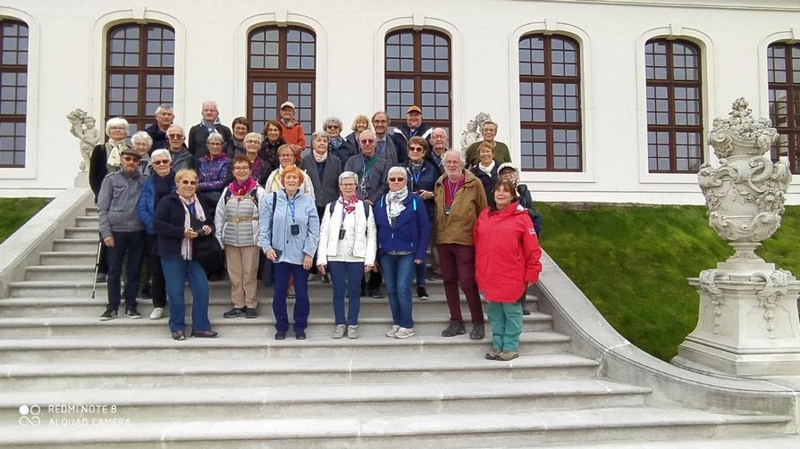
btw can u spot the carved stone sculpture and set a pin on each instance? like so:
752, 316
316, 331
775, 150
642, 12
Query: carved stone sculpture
82, 126
748, 323
472, 133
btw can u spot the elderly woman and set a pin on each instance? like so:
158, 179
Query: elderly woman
486, 169
346, 250
421, 178
142, 142
360, 123
507, 257
286, 156
289, 236
236, 224
323, 169
235, 145
252, 147
336, 143
269, 148
180, 219
106, 158
212, 171
160, 184
403, 235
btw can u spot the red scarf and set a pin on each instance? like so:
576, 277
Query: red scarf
240, 190
349, 206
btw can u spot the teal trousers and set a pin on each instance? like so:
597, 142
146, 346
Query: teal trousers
506, 321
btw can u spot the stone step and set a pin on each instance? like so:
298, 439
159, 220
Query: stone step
157, 349
330, 400
484, 428
91, 211
81, 233
85, 307
50, 258
87, 245
321, 322
89, 221
67, 272
781, 442
261, 372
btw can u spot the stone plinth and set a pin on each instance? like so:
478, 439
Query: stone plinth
748, 323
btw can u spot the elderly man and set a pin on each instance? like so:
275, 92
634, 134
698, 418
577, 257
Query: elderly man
438, 146
385, 144
488, 131
372, 185
181, 157
291, 129
209, 124
158, 130
412, 127
459, 198
122, 232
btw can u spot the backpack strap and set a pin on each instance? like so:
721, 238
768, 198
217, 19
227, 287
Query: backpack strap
272, 218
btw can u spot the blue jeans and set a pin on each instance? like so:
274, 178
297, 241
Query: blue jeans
131, 244
176, 271
346, 276
301, 304
398, 272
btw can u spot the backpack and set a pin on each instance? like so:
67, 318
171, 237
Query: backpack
526, 201
332, 205
253, 196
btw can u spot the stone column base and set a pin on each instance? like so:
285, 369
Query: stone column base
748, 323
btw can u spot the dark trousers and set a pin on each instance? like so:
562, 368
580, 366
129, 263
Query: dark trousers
457, 263
132, 245
157, 287
301, 304
345, 277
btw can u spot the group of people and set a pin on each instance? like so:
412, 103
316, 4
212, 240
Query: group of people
360, 211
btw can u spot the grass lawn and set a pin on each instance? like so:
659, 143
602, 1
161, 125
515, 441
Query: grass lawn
14, 212
632, 263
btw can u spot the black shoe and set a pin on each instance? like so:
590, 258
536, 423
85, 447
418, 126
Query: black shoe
234, 313
178, 336
300, 335
204, 334
133, 314
455, 328
251, 313
376, 293
146, 293
422, 293
477, 333
108, 315
525, 310
280, 335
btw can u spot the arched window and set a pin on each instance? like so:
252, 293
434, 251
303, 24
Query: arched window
783, 75
281, 67
13, 92
674, 106
550, 103
418, 69
140, 72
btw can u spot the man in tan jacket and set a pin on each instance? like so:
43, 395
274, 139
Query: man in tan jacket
459, 198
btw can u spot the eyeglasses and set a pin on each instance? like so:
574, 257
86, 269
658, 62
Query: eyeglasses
416, 149
348, 185
189, 183
397, 179
438, 137
252, 141
286, 155
242, 168
131, 159
214, 144
333, 126
118, 128
161, 162
176, 136
368, 142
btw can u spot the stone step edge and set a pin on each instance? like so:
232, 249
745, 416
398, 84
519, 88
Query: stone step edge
215, 300
406, 427
343, 365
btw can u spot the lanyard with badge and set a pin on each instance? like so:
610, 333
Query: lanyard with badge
452, 189
295, 228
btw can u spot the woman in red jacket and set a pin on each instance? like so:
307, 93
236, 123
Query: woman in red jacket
507, 257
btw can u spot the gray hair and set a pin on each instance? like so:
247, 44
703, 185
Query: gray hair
117, 121
366, 131
319, 135
348, 175
160, 152
176, 127
163, 108
215, 136
209, 103
440, 129
396, 169
142, 135
255, 134
335, 120
460, 156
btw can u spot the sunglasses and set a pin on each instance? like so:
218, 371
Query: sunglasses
131, 159
176, 136
333, 126
161, 162
189, 183
397, 179
416, 149
368, 142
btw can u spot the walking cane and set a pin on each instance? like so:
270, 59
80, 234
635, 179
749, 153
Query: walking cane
96, 266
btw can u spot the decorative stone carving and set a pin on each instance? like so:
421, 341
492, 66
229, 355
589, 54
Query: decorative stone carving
83, 127
748, 322
472, 133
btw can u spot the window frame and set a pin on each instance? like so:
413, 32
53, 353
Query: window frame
792, 88
18, 69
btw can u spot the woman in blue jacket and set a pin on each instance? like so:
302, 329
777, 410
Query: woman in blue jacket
403, 235
289, 234
422, 177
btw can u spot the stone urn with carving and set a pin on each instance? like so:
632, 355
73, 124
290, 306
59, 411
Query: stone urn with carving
748, 323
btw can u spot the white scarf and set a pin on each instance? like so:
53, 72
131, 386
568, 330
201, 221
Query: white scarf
320, 158
487, 170
115, 150
394, 202
186, 245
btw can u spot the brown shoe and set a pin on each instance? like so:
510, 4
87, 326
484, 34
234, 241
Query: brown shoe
507, 356
492, 355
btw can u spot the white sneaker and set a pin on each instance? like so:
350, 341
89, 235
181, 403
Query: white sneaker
339, 332
157, 313
404, 333
352, 332
393, 331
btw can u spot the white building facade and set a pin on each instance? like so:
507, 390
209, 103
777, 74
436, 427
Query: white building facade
599, 101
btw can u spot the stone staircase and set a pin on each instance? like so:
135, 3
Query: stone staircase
70, 380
